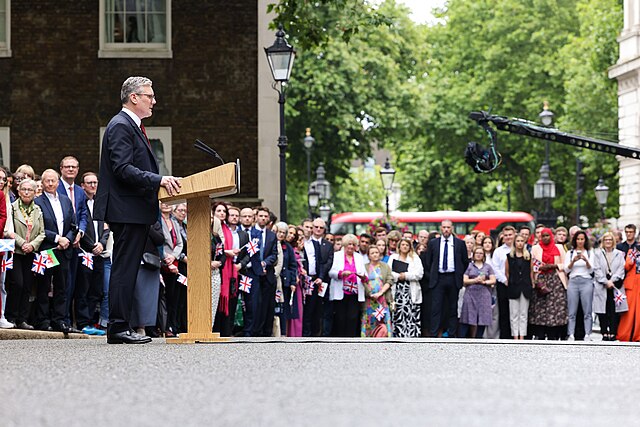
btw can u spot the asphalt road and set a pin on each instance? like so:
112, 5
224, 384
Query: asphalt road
332, 383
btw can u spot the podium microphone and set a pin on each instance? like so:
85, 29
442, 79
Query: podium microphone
210, 151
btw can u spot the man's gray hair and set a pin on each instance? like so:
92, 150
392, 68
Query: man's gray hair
133, 85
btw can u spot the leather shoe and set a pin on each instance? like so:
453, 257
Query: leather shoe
73, 330
24, 325
61, 327
127, 337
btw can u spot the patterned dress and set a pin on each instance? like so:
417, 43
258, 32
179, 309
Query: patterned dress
375, 309
551, 309
406, 317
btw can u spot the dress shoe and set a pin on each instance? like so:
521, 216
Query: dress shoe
73, 330
90, 330
44, 327
127, 337
24, 325
5, 324
60, 327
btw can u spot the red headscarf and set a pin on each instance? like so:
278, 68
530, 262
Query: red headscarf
550, 250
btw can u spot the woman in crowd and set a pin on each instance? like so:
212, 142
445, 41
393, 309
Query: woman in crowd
629, 328
5, 202
478, 280
407, 270
144, 311
608, 265
578, 264
376, 315
381, 244
171, 249
519, 288
293, 306
470, 243
288, 278
420, 248
479, 236
218, 258
346, 291
28, 224
548, 312
393, 238
488, 246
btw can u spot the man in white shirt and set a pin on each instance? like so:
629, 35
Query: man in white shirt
499, 260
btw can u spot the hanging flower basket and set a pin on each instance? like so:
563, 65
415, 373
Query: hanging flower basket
389, 223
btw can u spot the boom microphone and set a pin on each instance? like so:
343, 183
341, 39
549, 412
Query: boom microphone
210, 151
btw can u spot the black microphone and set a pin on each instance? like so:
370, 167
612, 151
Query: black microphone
210, 151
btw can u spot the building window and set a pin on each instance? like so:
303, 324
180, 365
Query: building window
135, 29
160, 139
5, 28
5, 145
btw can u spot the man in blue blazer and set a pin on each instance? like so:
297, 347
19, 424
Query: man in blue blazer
60, 233
69, 167
127, 199
260, 302
446, 262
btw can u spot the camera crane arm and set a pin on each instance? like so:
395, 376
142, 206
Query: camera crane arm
484, 163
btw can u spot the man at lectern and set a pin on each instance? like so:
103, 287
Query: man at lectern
127, 199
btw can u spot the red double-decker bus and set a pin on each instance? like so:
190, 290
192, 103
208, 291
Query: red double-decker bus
490, 222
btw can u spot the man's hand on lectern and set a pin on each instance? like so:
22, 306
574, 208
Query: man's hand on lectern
171, 184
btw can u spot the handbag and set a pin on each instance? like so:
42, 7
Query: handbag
380, 331
541, 288
150, 261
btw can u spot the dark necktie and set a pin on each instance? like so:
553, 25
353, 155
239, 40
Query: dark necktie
445, 256
144, 132
260, 233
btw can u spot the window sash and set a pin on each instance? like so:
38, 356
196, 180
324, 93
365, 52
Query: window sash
135, 23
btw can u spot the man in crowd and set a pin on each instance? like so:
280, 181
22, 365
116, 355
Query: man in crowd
499, 262
446, 262
630, 239
247, 218
364, 243
60, 233
423, 238
127, 199
525, 232
90, 278
324, 261
69, 168
260, 301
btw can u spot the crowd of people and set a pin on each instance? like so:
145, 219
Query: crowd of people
270, 278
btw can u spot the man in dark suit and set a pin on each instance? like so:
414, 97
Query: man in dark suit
89, 282
60, 232
69, 168
260, 302
630, 242
446, 262
127, 199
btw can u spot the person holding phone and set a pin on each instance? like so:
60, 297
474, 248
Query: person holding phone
579, 265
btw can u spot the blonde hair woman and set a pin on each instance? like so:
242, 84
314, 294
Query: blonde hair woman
608, 265
519, 289
407, 270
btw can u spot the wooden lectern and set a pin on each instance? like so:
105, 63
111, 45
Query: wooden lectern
197, 190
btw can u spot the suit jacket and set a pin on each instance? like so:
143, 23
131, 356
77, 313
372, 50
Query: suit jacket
432, 261
269, 256
69, 228
129, 179
20, 228
243, 257
324, 259
80, 201
90, 237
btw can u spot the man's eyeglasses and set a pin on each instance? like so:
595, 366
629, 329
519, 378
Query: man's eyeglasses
69, 167
148, 95
319, 226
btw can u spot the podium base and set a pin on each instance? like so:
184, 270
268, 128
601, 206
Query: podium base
196, 338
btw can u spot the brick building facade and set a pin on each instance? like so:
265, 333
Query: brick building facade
56, 92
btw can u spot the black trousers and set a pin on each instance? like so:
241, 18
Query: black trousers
444, 297
312, 313
88, 291
263, 321
19, 283
609, 321
503, 311
128, 245
172, 298
57, 313
346, 322
224, 324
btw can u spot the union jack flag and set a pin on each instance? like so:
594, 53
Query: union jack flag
7, 264
619, 298
219, 249
308, 285
39, 264
536, 265
379, 313
87, 259
350, 287
7, 245
245, 284
182, 279
279, 296
252, 247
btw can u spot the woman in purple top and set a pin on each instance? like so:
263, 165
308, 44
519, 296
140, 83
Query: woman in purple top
476, 304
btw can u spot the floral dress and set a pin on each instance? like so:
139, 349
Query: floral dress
375, 311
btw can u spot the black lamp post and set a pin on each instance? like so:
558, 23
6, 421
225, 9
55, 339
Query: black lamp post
387, 174
602, 193
280, 57
545, 188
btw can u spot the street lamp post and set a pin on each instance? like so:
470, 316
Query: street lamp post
308, 143
602, 193
280, 56
544, 187
387, 174
313, 198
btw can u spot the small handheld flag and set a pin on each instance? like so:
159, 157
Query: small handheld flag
7, 264
245, 284
39, 264
182, 279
